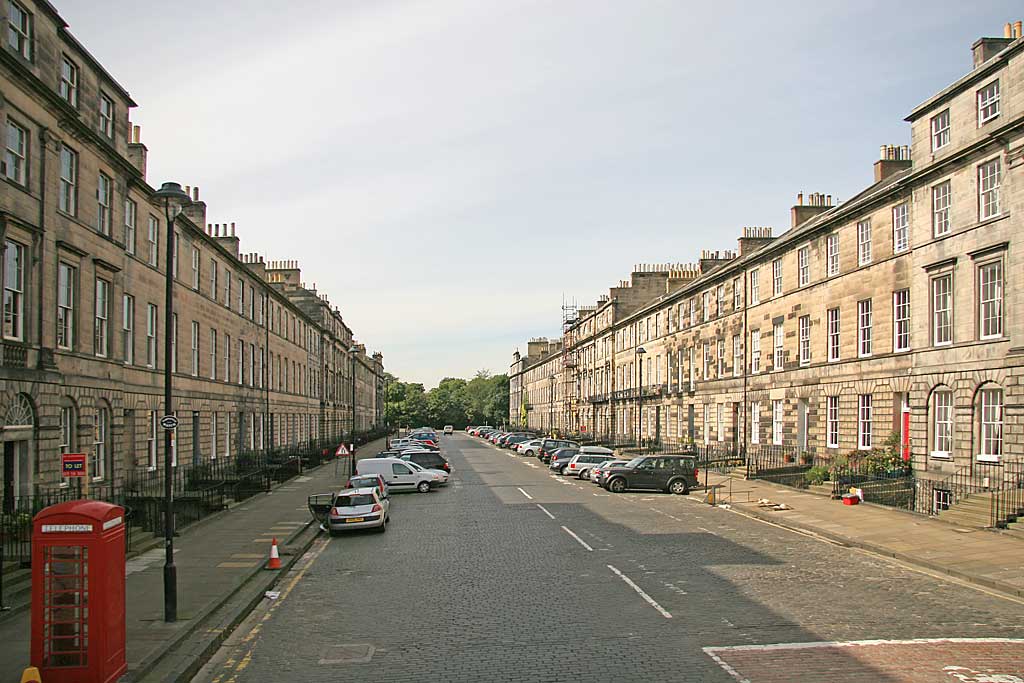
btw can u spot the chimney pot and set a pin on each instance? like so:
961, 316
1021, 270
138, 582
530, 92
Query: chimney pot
232, 229
1017, 27
195, 193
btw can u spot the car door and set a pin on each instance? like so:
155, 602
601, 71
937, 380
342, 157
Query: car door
403, 477
645, 474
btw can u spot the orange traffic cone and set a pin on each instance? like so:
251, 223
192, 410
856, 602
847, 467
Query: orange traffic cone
275, 558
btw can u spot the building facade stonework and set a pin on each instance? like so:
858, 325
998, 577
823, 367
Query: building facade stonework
259, 360
892, 314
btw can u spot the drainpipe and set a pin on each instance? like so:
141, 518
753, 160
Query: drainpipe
44, 139
746, 371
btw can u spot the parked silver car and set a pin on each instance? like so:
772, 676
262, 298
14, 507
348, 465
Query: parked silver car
440, 476
583, 461
358, 509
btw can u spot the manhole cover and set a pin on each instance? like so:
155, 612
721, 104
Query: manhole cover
357, 653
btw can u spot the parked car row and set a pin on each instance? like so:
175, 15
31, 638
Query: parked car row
675, 473
410, 464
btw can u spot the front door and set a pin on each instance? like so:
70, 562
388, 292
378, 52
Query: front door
801, 425
17, 474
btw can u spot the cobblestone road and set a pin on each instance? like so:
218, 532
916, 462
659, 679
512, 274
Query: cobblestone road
511, 574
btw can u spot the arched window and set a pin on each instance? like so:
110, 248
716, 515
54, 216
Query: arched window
990, 418
942, 423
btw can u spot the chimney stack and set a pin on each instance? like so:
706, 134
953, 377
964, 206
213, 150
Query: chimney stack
816, 203
985, 49
892, 159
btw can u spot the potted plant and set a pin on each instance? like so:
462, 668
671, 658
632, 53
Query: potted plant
788, 457
806, 458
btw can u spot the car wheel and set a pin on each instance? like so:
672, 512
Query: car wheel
383, 525
585, 475
529, 454
617, 485
423, 486
679, 487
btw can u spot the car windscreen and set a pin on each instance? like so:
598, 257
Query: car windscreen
353, 500
634, 462
361, 482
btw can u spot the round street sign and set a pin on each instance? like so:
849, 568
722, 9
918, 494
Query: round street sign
169, 422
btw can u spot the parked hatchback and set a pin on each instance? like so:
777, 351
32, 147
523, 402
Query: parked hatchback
597, 473
560, 459
582, 463
358, 509
672, 473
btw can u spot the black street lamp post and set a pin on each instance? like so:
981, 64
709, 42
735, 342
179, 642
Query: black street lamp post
640, 351
173, 198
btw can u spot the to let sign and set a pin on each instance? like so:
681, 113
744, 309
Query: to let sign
72, 464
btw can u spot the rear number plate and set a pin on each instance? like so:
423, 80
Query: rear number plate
353, 519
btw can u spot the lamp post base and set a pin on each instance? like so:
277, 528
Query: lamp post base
170, 593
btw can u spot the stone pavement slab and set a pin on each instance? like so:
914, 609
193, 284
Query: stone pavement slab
977, 556
214, 557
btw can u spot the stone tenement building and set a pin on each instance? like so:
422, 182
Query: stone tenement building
259, 360
888, 312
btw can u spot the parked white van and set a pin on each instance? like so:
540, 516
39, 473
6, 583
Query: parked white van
398, 475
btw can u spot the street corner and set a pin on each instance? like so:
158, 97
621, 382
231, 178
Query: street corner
963, 660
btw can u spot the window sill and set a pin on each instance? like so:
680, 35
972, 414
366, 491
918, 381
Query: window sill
939, 455
988, 458
151, 468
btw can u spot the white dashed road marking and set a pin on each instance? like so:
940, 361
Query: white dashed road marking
524, 493
578, 539
545, 511
640, 591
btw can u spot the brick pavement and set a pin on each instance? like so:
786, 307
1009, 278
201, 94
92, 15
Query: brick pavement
983, 557
215, 558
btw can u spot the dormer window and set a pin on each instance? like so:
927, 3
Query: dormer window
988, 103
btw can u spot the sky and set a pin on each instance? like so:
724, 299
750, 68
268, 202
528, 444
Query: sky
449, 172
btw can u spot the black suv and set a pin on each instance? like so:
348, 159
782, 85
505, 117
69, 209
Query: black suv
430, 461
550, 446
672, 473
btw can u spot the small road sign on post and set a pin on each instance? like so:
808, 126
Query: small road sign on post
342, 451
169, 422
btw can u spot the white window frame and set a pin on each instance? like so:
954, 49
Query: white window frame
755, 288
151, 440
755, 352
755, 422
151, 330
778, 347
940, 130
777, 277
16, 154
104, 203
832, 422
196, 264
67, 86
19, 33
864, 242
988, 97
106, 115
942, 424
991, 417
98, 457
737, 294
834, 323
778, 410
942, 202
720, 370
942, 309
213, 354
67, 200
832, 254
720, 425
128, 328
803, 265
65, 306
864, 328
901, 227
804, 331
101, 321
901, 320
737, 355
990, 300
153, 240
865, 407
195, 348
131, 215
227, 357
989, 182
241, 362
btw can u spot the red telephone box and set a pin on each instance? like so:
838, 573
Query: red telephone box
78, 613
